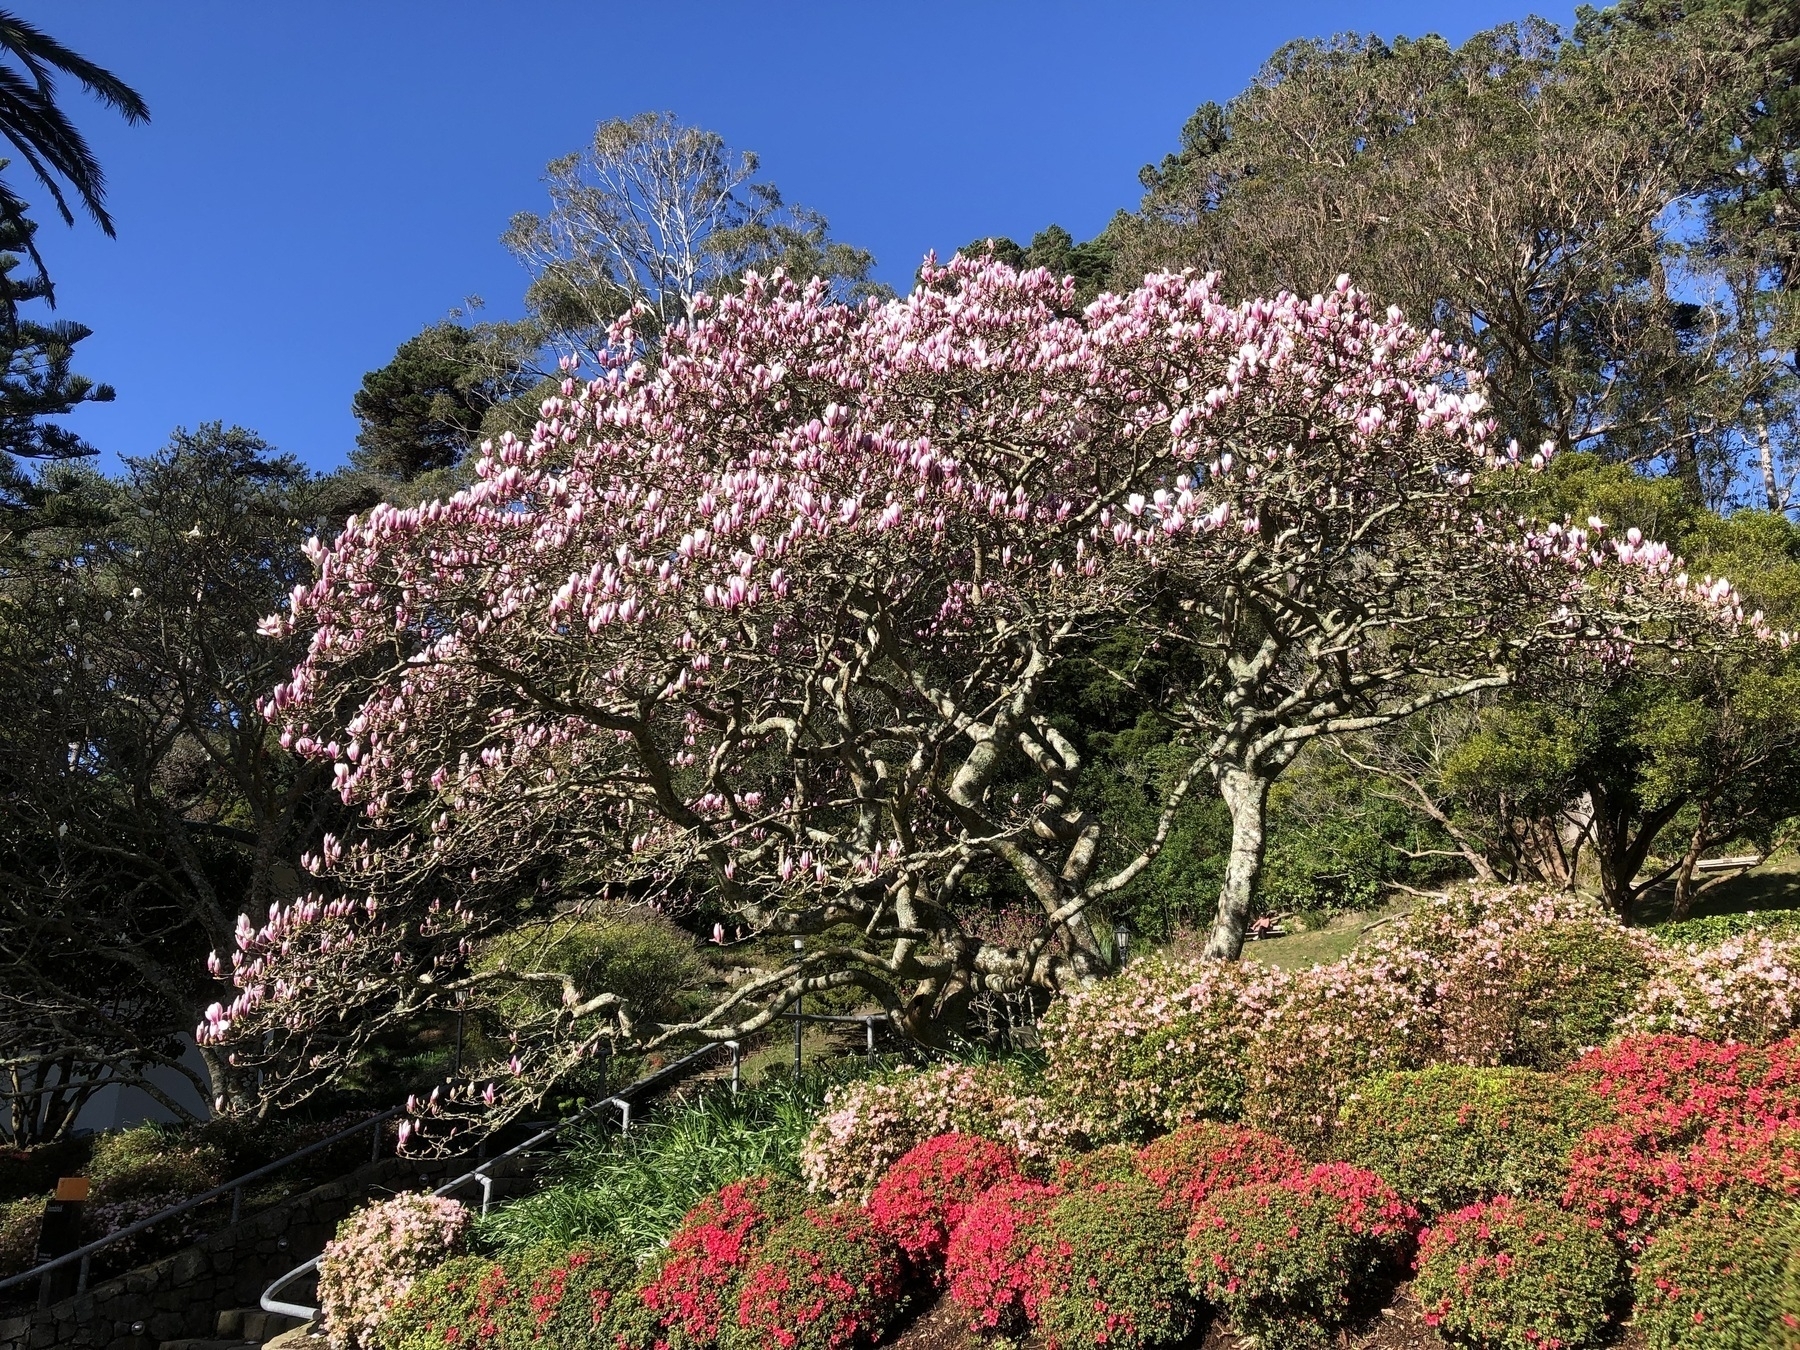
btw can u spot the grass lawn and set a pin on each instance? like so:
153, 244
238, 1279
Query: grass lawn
1320, 946
1775, 884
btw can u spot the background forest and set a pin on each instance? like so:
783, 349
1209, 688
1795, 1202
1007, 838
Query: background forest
1608, 218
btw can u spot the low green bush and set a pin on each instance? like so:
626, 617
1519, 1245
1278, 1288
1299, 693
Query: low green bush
1575, 979
152, 1160
828, 1279
1715, 928
1109, 1162
1713, 1280
1118, 1279
1289, 1263
1447, 1136
1518, 1275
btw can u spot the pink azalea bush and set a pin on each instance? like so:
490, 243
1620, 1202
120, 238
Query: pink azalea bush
924, 1195
828, 1279
866, 1126
997, 1266
1693, 1119
1510, 1274
1287, 1261
1160, 1044
1745, 988
1375, 1010
377, 1254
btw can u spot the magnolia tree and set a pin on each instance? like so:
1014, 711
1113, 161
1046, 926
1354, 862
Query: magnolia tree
766, 625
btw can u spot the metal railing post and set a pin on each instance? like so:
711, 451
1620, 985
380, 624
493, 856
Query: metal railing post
375, 1142
81, 1274
487, 1192
869, 1028
237, 1203
737, 1066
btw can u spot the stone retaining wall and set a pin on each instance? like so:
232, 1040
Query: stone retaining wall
181, 1295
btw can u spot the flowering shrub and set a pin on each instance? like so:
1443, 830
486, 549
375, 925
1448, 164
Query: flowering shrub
149, 1161
1198, 1160
1109, 1162
996, 1266
1157, 1045
1537, 984
20, 1221
1372, 1011
867, 1125
921, 1200
1114, 1272
687, 1298
106, 1217
1517, 1275
1712, 1280
828, 1279
1287, 1261
1448, 1136
1744, 989
377, 1254
449, 1306
570, 1299
1693, 1119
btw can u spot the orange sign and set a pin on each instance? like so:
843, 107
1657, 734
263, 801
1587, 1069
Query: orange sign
71, 1188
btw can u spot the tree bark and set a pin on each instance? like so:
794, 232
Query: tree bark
1684, 878
1766, 458
1247, 798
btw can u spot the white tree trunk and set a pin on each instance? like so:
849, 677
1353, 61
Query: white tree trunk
1247, 798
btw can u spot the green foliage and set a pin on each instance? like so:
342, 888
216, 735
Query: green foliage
1715, 1280
1119, 1274
423, 410
1715, 928
152, 1160
36, 380
1539, 995
1447, 1136
640, 956
631, 1192
1518, 1275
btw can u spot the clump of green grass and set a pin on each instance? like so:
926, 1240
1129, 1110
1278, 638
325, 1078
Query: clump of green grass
630, 1191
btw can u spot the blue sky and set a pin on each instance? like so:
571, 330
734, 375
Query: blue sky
321, 180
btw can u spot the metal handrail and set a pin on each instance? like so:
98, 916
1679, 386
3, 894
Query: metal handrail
480, 1173
235, 1187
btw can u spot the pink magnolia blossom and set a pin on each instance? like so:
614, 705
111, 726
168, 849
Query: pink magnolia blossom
756, 619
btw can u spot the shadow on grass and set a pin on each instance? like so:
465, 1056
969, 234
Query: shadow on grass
1774, 885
